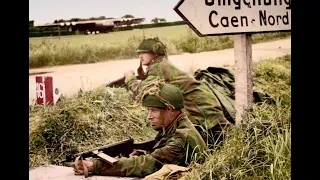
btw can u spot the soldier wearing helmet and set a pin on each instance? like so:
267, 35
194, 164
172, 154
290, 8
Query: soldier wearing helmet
202, 106
176, 143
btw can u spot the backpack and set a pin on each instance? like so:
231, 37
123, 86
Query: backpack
221, 82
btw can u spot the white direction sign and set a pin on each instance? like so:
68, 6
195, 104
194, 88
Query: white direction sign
217, 17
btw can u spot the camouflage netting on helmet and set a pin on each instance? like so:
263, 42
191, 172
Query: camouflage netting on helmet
160, 94
152, 45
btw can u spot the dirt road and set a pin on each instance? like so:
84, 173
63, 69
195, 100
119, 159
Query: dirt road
53, 172
69, 79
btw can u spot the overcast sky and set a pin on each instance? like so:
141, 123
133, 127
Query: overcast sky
46, 11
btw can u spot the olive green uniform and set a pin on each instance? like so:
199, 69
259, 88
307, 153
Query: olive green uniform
178, 145
201, 105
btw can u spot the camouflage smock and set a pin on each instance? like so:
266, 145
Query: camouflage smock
177, 145
201, 105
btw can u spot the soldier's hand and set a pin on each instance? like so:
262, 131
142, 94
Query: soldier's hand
133, 153
79, 169
129, 73
140, 72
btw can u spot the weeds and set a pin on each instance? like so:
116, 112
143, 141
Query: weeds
261, 147
82, 122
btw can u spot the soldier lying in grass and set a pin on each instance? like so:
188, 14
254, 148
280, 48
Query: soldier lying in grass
202, 106
177, 141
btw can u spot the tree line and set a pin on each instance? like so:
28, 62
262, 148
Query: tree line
154, 20
53, 31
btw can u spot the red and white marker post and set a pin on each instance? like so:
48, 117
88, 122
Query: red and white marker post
46, 92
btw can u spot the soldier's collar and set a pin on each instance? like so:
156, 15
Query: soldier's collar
172, 127
157, 59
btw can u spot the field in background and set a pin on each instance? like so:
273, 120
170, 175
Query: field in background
76, 49
121, 37
259, 150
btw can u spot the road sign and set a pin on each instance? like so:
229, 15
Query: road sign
218, 17
243, 17
46, 92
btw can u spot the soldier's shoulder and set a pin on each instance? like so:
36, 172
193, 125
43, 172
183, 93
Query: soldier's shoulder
185, 128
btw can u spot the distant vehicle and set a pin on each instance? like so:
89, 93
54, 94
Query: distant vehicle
95, 26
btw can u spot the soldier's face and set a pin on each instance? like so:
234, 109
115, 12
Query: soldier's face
156, 116
146, 58
159, 117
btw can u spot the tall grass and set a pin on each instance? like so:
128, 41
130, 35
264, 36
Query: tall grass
259, 149
122, 45
84, 121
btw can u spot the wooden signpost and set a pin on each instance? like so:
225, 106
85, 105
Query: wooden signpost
240, 18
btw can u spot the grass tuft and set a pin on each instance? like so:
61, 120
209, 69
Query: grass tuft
84, 121
260, 148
